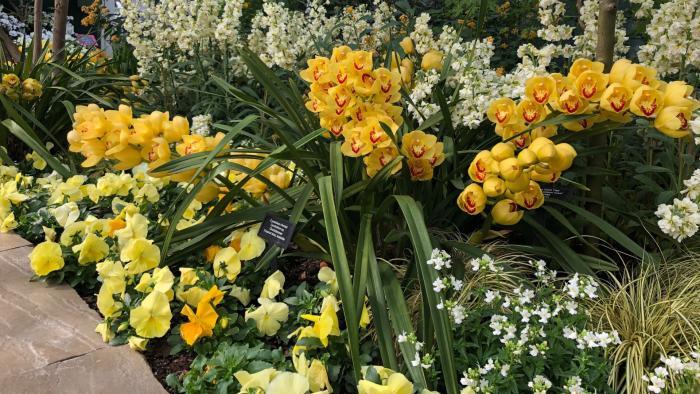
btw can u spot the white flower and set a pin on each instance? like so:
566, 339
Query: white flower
673, 363
402, 338
458, 314
679, 220
569, 333
438, 285
491, 295
539, 384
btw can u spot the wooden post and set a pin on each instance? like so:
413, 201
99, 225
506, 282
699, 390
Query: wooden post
38, 15
60, 19
9, 49
605, 48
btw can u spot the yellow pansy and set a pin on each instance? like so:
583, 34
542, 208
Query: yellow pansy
8, 223
472, 200
45, 258
506, 212
274, 284
106, 304
314, 371
91, 250
104, 331
151, 319
136, 227
227, 263
395, 384
269, 316
241, 294
673, 121
112, 275
200, 324
140, 255
186, 290
364, 317
137, 343
66, 214
325, 324
254, 382
289, 383
251, 245
161, 280
328, 276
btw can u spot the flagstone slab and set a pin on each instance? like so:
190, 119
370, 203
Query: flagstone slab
10, 241
48, 341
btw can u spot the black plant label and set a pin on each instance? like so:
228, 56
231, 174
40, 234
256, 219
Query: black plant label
276, 230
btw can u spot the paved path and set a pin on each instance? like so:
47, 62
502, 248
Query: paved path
47, 338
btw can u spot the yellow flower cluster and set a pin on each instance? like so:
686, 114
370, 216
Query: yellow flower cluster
512, 180
629, 89
116, 135
28, 90
356, 101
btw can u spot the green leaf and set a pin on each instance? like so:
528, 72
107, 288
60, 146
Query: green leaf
340, 263
400, 319
37, 146
606, 227
564, 255
422, 247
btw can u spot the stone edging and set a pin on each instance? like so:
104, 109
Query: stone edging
48, 341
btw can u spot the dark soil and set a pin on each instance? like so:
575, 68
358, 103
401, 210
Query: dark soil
163, 364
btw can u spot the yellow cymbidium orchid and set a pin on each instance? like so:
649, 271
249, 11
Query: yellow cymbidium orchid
616, 98
677, 93
590, 85
530, 198
673, 121
432, 60
529, 111
317, 67
502, 111
540, 89
647, 102
506, 212
482, 165
379, 158
582, 65
472, 200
